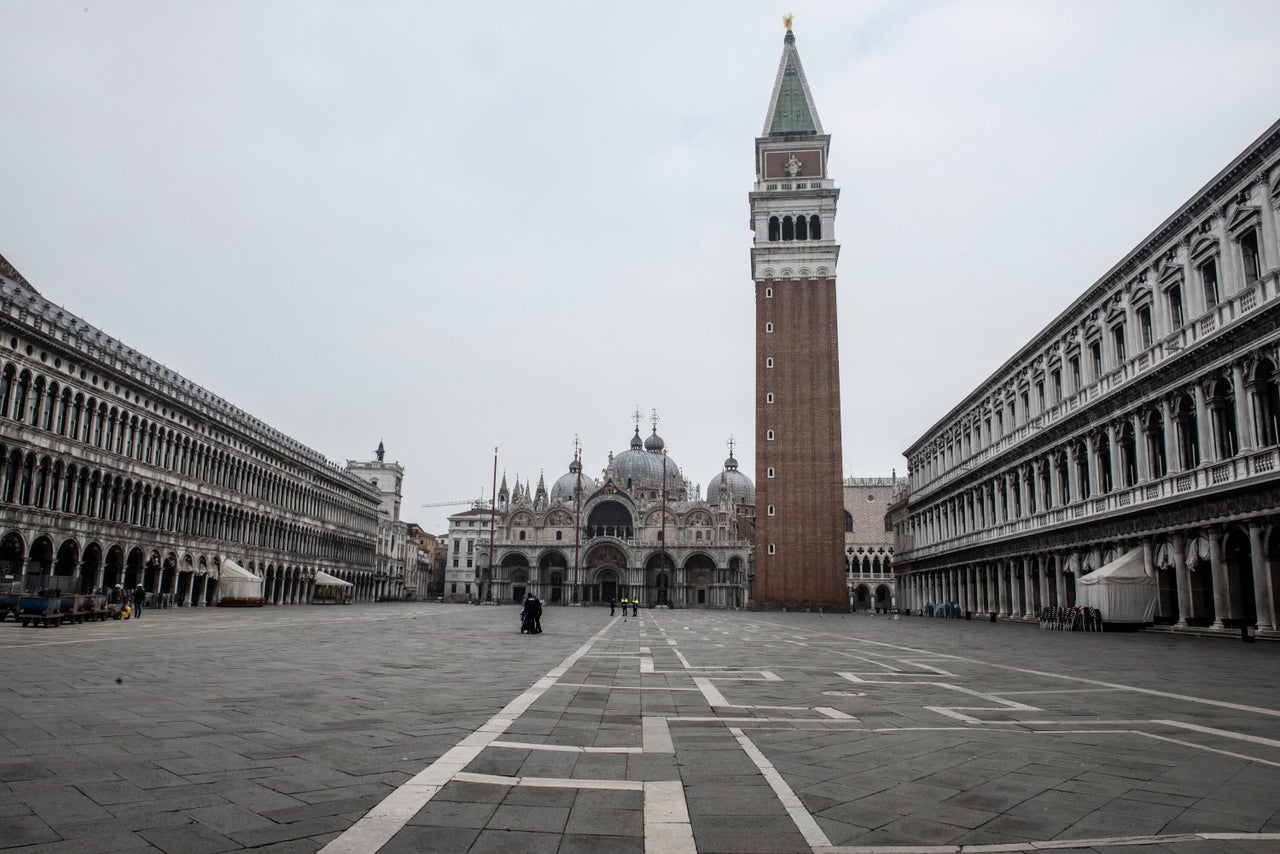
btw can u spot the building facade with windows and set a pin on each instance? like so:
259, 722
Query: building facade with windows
868, 541
1142, 419
117, 470
395, 568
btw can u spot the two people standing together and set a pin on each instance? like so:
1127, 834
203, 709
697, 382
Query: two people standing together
634, 603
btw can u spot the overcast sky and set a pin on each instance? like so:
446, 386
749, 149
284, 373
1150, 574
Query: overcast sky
458, 226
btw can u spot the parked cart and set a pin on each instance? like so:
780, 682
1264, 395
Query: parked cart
35, 610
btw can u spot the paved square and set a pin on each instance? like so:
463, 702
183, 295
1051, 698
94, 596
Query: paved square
420, 727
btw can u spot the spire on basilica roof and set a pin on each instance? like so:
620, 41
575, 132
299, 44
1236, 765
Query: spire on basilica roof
791, 108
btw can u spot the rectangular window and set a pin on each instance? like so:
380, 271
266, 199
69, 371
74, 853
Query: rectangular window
1074, 364
1056, 379
1026, 406
455, 563
1209, 279
1249, 255
468, 563
1174, 296
1117, 341
1040, 395
1095, 358
1144, 326
453, 588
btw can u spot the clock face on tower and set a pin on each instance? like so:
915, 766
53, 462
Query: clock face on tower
797, 163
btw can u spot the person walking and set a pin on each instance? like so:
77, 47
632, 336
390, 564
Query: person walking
139, 599
612, 605
635, 603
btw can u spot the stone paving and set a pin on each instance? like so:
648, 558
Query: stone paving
422, 727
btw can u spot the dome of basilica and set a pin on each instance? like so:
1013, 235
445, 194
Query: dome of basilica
740, 488
637, 469
565, 487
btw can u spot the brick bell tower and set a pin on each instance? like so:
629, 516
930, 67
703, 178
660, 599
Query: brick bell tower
799, 540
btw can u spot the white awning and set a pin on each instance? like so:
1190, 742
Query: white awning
324, 579
231, 569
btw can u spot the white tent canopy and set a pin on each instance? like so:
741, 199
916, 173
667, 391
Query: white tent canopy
1121, 590
324, 579
236, 582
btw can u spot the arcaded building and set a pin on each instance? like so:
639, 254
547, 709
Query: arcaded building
868, 541
117, 470
799, 537
1141, 421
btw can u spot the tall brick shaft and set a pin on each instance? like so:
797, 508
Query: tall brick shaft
799, 542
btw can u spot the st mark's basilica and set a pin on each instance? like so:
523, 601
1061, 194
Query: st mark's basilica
638, 531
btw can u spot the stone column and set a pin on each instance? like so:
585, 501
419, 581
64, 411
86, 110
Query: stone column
1140, 450
1221, 594
1113, 459
1073, 475
1270, 259
1171, 455
1001, 593
1204, 429
1244, 423
1043, 574
1182, 577
1028, 591
1060, 581
1261, 581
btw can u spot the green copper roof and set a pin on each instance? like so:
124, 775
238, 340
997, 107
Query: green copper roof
791, 115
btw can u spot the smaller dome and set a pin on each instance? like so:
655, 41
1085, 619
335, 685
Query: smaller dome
636, 443
737, 485
654, 443
566, 487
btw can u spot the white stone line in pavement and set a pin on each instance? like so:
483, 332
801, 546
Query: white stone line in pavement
834, 713
563, 748
1151, 692
1218, 750
1049, 845
805, 823
386, 819
549, 782
593, 687
656, 735
716, 699
1225, 733
646, 664
666, 819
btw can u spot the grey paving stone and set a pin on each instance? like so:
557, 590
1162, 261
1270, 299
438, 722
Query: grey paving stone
507, 841
540, 818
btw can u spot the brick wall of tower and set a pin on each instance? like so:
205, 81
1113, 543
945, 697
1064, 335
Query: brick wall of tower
807, 528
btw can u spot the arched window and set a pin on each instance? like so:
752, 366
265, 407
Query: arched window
774, 231
1266, 403
769, 472
768, 362
1184, 420
1222, 412
848, 522
815, 228
768, 293
772, 510
772, 549
768, 327
802, 228
788, 229
768, 398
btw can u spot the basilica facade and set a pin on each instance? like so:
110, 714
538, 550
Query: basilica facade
1140, 425
638, 531
118, 470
